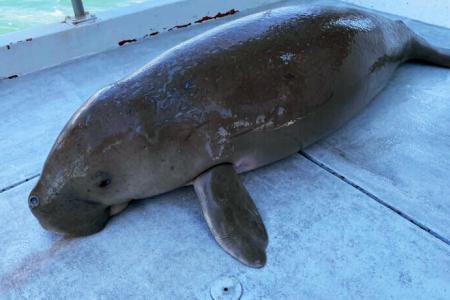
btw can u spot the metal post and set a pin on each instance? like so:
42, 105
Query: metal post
78, 9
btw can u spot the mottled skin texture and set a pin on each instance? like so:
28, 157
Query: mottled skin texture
247, 93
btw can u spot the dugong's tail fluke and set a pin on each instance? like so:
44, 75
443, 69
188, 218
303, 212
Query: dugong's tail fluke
424, 51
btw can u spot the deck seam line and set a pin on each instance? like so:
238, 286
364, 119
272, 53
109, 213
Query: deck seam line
377, 199
332, 172
18, 183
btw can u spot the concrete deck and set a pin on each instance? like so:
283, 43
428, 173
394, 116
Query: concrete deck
365, 213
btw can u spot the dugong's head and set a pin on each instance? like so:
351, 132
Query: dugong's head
96, 162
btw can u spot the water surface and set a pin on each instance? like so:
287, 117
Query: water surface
20, 14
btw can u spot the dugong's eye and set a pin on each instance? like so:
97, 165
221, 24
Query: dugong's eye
104, 183
102, 179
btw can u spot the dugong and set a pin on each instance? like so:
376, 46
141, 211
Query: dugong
235, 98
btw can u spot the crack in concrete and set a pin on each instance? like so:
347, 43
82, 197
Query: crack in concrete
373, 197
18, 183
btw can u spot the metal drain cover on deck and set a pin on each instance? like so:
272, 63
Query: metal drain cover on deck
226, 288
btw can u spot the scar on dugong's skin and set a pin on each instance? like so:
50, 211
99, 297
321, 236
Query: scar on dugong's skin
233, 99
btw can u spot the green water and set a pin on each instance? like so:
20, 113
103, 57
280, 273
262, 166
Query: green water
20, 14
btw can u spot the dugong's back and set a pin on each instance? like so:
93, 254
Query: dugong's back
277, 72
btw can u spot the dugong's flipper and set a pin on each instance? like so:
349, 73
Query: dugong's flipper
231, 215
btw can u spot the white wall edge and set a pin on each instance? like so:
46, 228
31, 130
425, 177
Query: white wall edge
45, 46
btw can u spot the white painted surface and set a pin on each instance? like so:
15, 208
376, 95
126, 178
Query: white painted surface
327, 240
435, 12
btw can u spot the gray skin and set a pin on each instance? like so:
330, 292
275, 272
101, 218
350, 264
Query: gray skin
231, 100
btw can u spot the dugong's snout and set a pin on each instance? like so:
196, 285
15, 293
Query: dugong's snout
68, 216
